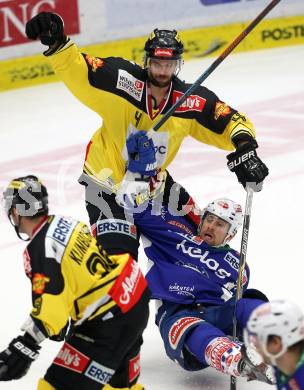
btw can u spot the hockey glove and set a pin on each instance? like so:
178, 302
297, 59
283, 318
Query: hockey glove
248, 167
133, 191
48, 27
16, 359
141, 154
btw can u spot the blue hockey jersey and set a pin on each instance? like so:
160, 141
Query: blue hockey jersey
182, 267
293, 382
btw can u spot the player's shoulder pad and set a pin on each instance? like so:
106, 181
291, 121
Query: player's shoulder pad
131, 67
96, 64
58, 236
200, 90
227, 248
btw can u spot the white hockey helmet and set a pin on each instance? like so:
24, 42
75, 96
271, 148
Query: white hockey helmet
227, 210
277, 318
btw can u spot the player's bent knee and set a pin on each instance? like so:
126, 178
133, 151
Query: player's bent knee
44, 385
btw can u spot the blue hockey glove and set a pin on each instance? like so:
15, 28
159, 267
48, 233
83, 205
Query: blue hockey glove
16, 359
141, 154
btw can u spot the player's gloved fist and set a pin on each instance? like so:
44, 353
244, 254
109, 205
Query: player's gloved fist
248, 167
16, 359
48, 27
141, 152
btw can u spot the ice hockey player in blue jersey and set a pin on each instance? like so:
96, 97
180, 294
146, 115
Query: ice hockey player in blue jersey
276, 329
193, 274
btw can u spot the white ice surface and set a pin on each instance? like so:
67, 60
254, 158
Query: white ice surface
44, 130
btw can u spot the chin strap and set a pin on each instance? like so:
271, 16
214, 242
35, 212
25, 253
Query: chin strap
16, 227
18, 234
273, 356
227, 239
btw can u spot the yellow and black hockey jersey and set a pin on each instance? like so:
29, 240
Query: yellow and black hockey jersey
117, 90
73, 278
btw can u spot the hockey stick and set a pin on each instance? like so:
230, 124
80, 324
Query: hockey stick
216, 63
242, 264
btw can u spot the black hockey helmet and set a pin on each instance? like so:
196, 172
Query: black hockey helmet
164, 44
28, 195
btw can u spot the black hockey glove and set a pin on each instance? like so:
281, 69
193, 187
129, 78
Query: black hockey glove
49, 28
16, 359
248, 167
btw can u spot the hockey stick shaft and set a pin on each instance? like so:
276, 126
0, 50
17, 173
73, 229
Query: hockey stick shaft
242, 264
244, 241
216, 63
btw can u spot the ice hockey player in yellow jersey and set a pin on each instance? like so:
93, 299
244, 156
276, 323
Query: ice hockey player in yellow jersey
101, 299
131, 99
